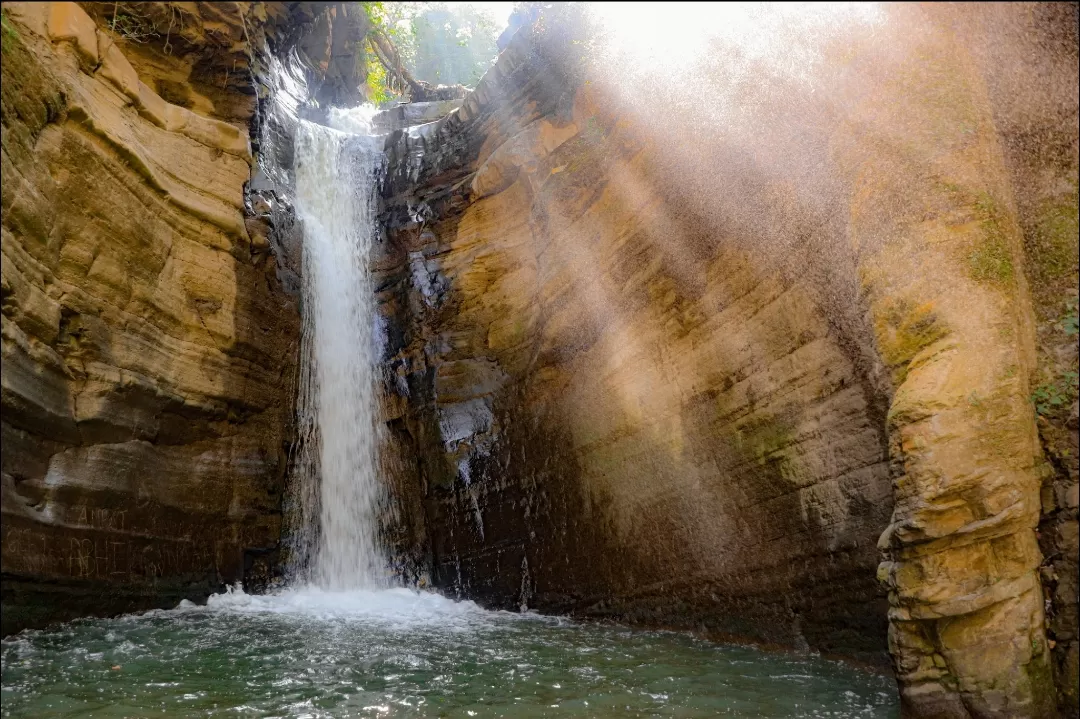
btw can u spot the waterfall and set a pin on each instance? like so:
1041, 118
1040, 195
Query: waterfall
338, 494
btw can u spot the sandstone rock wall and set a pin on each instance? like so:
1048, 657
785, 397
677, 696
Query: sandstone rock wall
151, 273
744, 358
623, 406
1028, 55
710, 374
148, 351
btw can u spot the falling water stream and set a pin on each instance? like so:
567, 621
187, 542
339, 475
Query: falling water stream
341, 641
338, 492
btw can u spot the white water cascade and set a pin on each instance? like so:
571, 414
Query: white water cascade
338, 494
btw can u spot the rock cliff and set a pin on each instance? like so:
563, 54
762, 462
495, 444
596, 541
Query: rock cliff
1029, 59
729, 369
755, 357
149, 348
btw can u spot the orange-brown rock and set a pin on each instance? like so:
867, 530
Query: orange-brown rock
150, 271
726, 367
1028, 54
147, 348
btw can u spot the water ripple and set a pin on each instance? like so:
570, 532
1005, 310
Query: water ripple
401, 653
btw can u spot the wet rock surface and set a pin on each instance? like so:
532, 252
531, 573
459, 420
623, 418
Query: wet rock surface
606, 427
1034, 100
412, 113
771, 381
792, 407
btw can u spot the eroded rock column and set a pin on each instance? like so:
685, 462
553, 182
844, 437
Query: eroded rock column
939, 250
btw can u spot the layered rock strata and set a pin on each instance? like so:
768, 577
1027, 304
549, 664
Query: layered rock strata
750, 358
148, 350
713, 378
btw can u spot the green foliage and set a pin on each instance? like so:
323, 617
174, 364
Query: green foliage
395, 19
374, 12
377, 82
1051, 398
384, 17
1070, 323
1057, 395
576, 30
444, 45
435, 43
452, 45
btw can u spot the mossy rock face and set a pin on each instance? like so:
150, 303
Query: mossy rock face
8, 33
991, 261
904, 330
764, 438
1053, 248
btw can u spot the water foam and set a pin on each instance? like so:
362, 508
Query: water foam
398, 606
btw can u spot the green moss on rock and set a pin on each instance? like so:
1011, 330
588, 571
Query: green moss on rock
991, 261
1053, 248
903, 331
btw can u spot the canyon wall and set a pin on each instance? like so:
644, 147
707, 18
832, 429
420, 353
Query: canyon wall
760, 368
738, 350
149, 347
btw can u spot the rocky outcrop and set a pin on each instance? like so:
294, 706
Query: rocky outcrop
412, 114
148, 350
608, 426
210, 57
1028, 55
726, 367
755, 358
151, 264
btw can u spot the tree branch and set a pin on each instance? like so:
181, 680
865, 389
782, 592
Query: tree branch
395, 69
